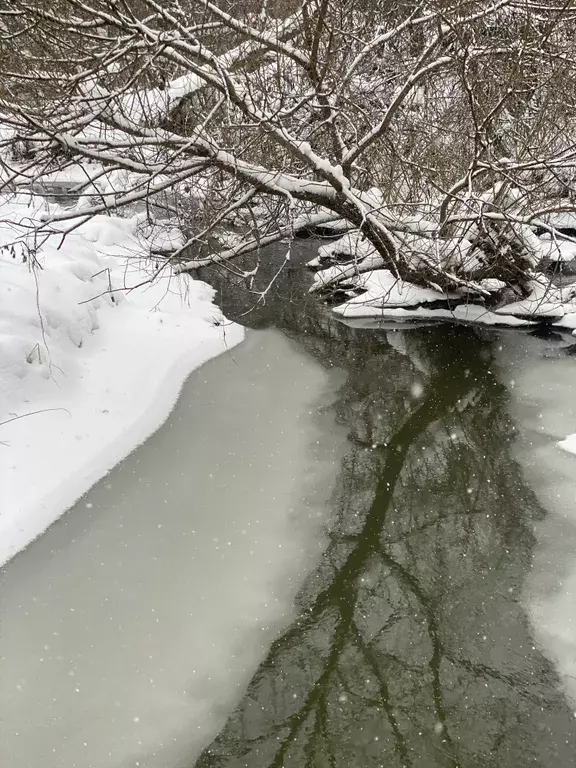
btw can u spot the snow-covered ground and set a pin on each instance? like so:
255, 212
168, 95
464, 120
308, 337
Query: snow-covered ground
555, 249
92, 355
569, 443
353, 265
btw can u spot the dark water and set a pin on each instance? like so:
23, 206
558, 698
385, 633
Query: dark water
412, 648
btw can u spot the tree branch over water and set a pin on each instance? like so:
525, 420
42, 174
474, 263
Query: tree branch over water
451, 122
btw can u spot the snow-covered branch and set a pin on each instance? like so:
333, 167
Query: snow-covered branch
447, 121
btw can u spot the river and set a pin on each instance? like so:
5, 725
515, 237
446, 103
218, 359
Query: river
337, 526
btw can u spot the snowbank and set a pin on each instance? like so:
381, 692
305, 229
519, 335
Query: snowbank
352, 266
556, 249
353, 248
382, 289
465, 313
568, 321
385, 296
545, 300
92, 356
378, 293
569, 443
351, 245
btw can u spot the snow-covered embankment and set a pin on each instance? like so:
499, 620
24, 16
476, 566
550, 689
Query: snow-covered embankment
92, 356
369, 291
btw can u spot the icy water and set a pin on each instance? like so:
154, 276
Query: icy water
425, 637
403, 518
131, 628
543, 400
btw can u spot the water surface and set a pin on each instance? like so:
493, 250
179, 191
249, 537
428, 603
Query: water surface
415, 645
132, 626
156, 622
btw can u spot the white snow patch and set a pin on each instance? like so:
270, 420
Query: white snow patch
544, 300
343, 271
386, 296
543, 406
467, 313
389, 297
420, 225
99, 369
383, 289
569, 443
560, 219
556, 249
350, 245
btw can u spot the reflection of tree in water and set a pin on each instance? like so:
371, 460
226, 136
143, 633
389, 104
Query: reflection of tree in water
411, 648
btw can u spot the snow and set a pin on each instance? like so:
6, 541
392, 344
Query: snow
351, 244
376, 292
98, 370
131, 629
340, 272
544, 300
74, 174
557, 249
543, 407
353, 249
560, 219
338, 226
420, 225
383, 289
386, 296
350, 247
417, 250
466, 313
569, 443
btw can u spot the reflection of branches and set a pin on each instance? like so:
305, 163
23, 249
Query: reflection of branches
342, 590
385, 702
516, 680
316, 693
413, 586
376, 630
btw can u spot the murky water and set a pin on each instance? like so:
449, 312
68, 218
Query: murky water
415, 641
131, 628
415, 645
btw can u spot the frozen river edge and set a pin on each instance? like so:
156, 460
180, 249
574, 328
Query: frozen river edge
133, 624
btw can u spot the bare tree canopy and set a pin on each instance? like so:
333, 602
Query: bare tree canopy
442, 131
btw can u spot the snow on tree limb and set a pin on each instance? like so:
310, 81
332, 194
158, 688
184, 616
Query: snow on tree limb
454, 113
